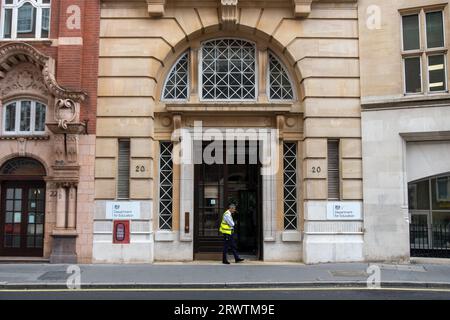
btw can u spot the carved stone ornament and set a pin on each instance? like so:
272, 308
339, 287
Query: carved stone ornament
229, 13
14, 54
23, 79
65, 112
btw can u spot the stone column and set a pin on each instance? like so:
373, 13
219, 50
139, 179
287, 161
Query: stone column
72, 214
61, 207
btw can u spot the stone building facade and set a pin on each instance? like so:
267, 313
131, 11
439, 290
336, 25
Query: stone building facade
405, 127
48, 98
127, 127
162, 66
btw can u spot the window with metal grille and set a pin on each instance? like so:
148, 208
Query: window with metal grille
228, 70
333, 170
290, 185
280, 86
176, 86
123, 175
165, 185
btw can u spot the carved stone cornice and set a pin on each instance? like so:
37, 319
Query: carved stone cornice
14, 53
156, 8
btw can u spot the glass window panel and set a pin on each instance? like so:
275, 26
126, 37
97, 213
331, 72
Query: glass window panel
16, 228
40, 206
39, 123
280, 86
435, 30
9, 1
25, 19
9, 205
7, 27
31, 218
31, 229
18, 205
419, 195
39, 242
39, 229
228, 70
17, 217
436, 69
30, 242
8, 241
25, 116
440, 193
45, 22
177, 83
9, 228
413, 79
16, 242
39, 218
10, 117
441, 219
18, 193
9, 217
411, 32
9, 193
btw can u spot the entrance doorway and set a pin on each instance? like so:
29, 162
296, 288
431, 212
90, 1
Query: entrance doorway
216, 186
22, 208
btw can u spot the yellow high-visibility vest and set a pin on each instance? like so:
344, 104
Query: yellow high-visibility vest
224, 227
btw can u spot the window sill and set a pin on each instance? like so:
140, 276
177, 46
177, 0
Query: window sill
406, 101
46, 42
25, 137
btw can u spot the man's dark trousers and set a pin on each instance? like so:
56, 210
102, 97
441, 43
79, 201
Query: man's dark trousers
229, 243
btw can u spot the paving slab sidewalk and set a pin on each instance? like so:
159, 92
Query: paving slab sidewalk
213, 274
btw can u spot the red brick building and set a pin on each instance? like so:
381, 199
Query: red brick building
48, 94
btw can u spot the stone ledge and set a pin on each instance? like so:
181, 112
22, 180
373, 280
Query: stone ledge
291, 236
164, 236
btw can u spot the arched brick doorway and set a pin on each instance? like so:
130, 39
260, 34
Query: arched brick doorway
22, 208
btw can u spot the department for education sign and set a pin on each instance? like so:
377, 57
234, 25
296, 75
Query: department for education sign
339, 210
123, 210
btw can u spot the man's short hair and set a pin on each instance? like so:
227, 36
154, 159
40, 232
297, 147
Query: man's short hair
231, 206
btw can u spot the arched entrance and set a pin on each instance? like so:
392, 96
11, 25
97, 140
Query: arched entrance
22, 208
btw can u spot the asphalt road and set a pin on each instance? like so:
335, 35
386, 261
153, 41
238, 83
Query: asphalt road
231, 294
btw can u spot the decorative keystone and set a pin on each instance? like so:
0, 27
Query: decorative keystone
229, 13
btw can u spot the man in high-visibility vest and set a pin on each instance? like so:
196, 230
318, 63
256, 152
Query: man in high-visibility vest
227, 229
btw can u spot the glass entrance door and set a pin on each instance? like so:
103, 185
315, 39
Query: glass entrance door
218, 185
22, 219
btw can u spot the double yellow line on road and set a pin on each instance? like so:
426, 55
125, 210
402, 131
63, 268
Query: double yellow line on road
224, 289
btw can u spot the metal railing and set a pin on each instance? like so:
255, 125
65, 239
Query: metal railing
433, 241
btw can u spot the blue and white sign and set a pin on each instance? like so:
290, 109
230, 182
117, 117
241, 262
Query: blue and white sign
123, 210
343, 210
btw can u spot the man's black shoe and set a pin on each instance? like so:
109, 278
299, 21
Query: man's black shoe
239, 260
225, 262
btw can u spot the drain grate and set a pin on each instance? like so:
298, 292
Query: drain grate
54, 275
348, 273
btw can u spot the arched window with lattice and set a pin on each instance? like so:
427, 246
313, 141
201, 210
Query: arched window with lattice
279, 84
176, 86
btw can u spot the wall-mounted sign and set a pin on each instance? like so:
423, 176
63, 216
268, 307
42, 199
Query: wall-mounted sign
121, 232
123, 210
343, 210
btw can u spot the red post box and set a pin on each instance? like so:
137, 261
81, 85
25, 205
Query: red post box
121, 232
